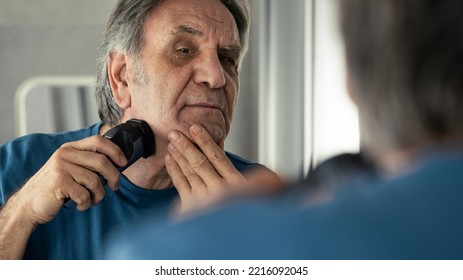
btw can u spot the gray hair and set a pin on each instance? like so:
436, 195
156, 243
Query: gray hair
405, 61
124, 33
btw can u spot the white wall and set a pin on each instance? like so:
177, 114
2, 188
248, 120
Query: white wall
336, 127
46, 37
305, 115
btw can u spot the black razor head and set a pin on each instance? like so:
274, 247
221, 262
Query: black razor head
135, 138
147, 136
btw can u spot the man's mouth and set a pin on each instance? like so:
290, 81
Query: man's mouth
205, 105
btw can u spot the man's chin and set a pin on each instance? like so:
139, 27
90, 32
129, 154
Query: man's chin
216, 132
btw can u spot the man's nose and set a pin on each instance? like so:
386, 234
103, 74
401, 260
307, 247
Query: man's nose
210, 71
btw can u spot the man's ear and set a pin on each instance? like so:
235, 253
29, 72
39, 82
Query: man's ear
117, 74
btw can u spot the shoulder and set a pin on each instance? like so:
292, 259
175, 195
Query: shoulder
20, 158
38, 144
240, 163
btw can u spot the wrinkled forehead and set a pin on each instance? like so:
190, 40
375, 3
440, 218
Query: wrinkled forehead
198, 17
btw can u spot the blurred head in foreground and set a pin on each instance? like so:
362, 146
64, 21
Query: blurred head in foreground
405, 67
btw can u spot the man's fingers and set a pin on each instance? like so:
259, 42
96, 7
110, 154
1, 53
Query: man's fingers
90, 181
81, 185
81, 196
193, 163
195, 180
176, 175
100, 145
73, 190
215, 155
96, 162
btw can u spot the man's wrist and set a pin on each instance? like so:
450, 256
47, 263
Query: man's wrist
15, 230
14, 218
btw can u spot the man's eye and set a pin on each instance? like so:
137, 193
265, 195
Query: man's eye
227, 59
185, 50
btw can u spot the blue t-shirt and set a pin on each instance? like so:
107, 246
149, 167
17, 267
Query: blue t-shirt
73, 234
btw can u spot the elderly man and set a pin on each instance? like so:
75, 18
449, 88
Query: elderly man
174, 64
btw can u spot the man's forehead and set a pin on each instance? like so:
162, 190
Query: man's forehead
233, 45
181, 17
183, 28
182, 13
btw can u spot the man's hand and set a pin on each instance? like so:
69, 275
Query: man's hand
71, 172
204, 176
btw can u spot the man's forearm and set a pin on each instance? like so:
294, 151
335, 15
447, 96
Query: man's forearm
15, 230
